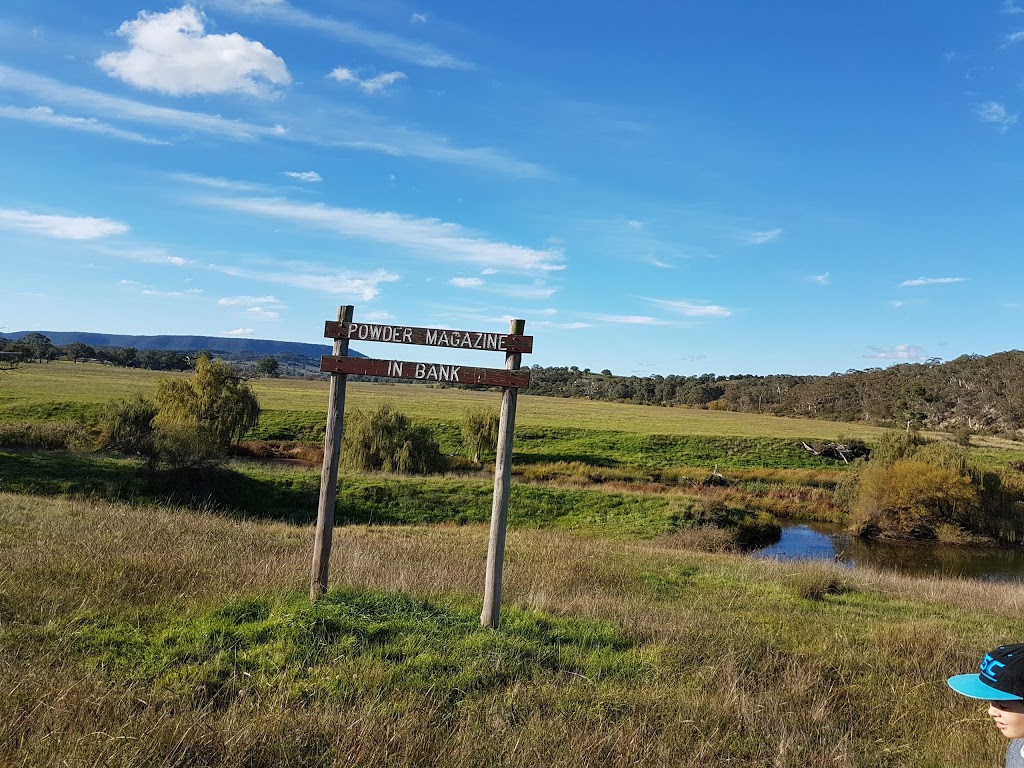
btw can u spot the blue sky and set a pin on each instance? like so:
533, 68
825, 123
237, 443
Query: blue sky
688, 187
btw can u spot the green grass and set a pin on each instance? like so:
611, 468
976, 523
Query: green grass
162, 637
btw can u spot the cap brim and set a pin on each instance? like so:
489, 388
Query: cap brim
972, 687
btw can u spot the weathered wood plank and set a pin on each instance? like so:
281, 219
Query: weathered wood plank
433, 372
430, 337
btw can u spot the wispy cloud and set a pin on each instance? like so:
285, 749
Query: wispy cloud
899, 352
931, 281
466, 282
418, 18
250, 301
172, 294
424, 54
149, 255
896, 303
12, 79
996, 114
47, 116
438, 239
363, 286
691, 308
60, 227
349, 128
629, 319
759, 238
1011, 7
308, 176
172, 53
239, 332
822, 279
229, 185
373, 84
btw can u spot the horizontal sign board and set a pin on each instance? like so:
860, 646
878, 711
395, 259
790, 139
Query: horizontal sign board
429, 337
449, 374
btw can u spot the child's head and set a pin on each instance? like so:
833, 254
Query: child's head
1001, 683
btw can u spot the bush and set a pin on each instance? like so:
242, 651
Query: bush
896, 445
126, 426
186, 445
214, 401
385, 440
46, 437
911, 498
480, 432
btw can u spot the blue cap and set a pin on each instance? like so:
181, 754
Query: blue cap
1001, 677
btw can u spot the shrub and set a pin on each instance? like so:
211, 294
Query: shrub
126, 426
385, 440
186, 445
911, 498
896, 445
46, 437
214, 401
480, 432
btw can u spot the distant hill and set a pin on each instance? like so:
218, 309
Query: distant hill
219, 344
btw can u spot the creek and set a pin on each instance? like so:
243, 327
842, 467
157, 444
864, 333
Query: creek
818, 541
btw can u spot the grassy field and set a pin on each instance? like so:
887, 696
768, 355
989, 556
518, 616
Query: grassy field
82, 388
159, 636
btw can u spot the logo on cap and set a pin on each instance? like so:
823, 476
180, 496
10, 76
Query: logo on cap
989, 666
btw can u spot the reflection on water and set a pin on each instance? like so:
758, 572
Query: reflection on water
823, 542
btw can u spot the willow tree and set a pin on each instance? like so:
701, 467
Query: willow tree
215, 402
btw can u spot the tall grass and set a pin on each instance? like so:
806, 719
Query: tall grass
163, 637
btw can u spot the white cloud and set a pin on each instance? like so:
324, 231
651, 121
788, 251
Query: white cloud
369, 85
172, 294
423, 54
634, 224
153, 255
351, 285
250, 301
561, 326
310, 176
1015, 37
899, 352
823, 279
1010, 7
418, 18
377, 317
126, 109
171, 53
896, 304
60, 227
931, 281
131, 283
438, 239
466, 282
693, 309
239, 332
349, 128
995, 113
266, 314
759, 238
46, 116
630, 319
218, 183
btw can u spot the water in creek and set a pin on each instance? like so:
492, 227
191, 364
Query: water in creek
823, 542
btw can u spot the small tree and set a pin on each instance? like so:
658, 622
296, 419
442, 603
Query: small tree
268, 366
126, 426
480, 432
215, 400
385, 440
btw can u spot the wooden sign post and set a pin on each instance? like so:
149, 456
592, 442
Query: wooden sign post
510, 378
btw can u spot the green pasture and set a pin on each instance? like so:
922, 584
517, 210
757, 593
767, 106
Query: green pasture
72, 391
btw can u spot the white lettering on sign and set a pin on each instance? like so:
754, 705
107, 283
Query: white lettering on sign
466, 339
394, 368
436, 372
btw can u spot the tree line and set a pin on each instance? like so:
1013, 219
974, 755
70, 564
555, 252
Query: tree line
973, 392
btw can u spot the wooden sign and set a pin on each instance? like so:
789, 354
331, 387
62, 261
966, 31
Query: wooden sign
401, 369
429, 337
